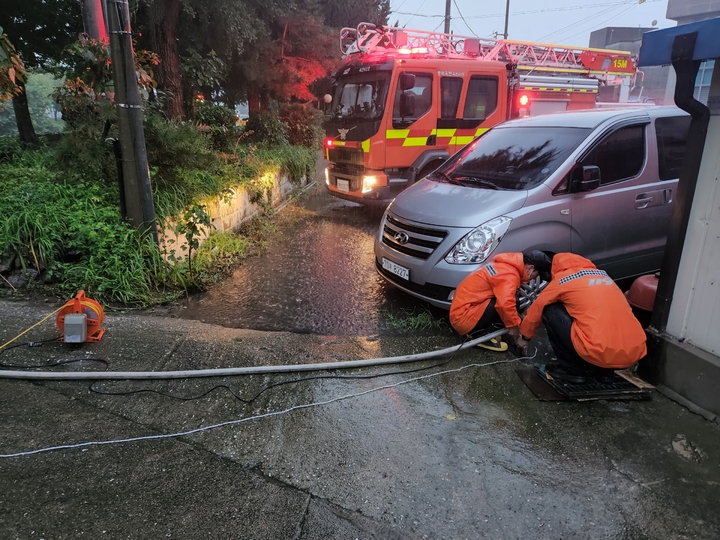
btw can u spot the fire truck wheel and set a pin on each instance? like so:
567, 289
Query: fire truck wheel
427, 170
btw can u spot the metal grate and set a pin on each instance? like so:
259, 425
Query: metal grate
618, 388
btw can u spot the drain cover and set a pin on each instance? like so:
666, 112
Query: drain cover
618, 388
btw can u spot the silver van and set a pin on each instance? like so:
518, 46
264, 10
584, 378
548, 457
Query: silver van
598, 182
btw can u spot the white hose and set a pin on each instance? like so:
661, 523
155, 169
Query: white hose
226, 372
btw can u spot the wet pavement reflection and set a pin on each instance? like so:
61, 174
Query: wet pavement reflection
317, 275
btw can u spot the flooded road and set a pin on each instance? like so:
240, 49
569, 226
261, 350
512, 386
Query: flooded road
317, 275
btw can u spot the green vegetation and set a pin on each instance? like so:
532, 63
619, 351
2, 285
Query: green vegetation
63, 211
406, 320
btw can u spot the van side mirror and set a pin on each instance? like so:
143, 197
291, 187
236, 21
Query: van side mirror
407, 81
588, 179
407, 104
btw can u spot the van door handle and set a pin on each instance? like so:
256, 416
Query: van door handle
642, 201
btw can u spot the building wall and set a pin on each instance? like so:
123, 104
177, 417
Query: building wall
687, 11
695, 309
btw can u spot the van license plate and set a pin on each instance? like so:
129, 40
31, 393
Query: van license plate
396, 269
343, 185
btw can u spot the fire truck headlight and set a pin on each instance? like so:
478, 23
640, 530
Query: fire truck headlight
368, 183
478, 244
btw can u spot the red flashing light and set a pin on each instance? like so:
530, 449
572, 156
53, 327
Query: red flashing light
524, 100
329, 143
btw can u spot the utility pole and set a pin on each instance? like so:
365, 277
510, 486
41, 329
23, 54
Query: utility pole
135, 171
94, 20
507, 16
447, 16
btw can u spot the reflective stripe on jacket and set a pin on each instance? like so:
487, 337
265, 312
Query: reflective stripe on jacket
604, 331
498, 279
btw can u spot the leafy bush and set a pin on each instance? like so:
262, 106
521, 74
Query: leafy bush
10, 148
221, 125
84, 158
304, 124
266, 128
49, 218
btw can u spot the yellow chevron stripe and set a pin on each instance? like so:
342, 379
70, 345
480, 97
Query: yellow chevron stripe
449, 132
366, 145
480, 131
415, 141
397, 133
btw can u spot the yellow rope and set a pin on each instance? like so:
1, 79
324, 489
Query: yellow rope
33, 326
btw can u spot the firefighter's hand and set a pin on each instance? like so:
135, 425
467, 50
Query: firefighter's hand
521, 346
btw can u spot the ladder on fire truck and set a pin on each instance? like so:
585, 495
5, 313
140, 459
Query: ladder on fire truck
601, 64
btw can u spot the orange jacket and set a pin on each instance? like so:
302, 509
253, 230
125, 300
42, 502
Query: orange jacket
604, 332
497, 279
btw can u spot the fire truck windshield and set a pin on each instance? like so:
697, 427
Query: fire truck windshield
512, 158
361, 96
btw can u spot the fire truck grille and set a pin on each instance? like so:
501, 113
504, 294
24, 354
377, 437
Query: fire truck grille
418, 242
346, 156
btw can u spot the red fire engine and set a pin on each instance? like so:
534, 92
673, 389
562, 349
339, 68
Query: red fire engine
406, 100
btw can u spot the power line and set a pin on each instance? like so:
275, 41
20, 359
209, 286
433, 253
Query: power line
463, 19
575, 24
600, 24
416, 13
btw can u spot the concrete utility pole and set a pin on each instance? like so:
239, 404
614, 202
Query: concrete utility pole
447, 16
507, 17
94, 20
135, 171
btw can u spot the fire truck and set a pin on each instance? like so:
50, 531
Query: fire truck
404, 101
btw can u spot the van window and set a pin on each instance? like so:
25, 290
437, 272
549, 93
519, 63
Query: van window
620, 156
450, 90
671, 137
422, 92
482, 96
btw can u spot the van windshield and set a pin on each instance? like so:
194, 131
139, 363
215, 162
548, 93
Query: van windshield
512, 158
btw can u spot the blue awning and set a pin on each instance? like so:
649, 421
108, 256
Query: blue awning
656, 46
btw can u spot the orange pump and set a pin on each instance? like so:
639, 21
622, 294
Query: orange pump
88, 306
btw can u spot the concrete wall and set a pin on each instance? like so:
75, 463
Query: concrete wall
687, 11
229, 213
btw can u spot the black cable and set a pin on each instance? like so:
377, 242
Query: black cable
281, 383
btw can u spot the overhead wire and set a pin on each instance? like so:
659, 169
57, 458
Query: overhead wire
463, 19
574, 24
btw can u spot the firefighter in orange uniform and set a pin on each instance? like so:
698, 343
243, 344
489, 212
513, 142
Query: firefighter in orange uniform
487, 297
590, 325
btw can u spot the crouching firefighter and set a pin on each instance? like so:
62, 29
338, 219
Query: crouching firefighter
486, 298
591, 327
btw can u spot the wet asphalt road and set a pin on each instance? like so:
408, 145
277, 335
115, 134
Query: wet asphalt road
317, 275
460, 450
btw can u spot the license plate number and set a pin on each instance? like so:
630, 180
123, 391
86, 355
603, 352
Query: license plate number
396, 269
343, 185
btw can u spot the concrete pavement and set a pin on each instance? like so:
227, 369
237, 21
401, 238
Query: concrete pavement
469, 453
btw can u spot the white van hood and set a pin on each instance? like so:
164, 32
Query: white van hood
448, 205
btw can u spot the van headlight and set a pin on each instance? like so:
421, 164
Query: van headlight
479, 243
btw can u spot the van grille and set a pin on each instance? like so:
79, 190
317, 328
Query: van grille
410, 239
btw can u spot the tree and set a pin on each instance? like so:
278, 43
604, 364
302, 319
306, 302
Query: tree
350, 14
164, 24
40, 30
